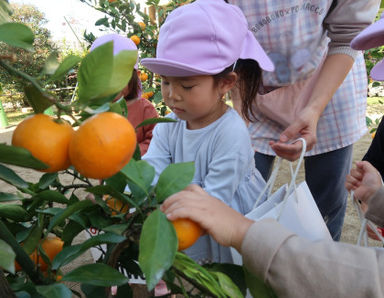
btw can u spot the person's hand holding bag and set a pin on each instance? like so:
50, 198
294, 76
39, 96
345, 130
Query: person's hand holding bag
224, 224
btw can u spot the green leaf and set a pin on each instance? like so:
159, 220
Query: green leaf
107, 189
117, 229
11, 177
119, 107
117, 181
97, 275
70, 253
17, 35
8, 197
7, 257
47, 179
33, 238
227, 285
5, 12
173, 179
51, 64
158, 246
47, 196
257, 287
14, 212
61, 216
38, 100
155, 120
20, 157
93, 291
54, 291
68, 63
101, 74
140, 175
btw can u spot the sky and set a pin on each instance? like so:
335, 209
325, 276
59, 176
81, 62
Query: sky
78, 14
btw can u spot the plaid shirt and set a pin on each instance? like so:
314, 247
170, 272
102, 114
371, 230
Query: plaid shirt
294, 36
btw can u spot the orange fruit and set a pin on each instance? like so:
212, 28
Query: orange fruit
187, 232
116, 205
51, 246
143, 77
142, 25
373, 134
135, 39
46, 139
103, 145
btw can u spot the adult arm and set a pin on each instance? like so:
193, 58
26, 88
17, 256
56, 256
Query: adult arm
343, 23
293, 266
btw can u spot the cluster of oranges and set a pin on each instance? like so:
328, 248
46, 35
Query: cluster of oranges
99, 148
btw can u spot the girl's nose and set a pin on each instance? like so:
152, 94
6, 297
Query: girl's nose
173, 94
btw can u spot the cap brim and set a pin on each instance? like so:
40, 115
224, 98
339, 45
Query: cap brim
253, 50
370, 37
174, 69
377, 72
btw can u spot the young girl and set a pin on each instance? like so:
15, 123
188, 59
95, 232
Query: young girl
138, 107
201, 55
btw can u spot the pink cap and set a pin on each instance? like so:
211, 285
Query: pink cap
204, 38
119, 43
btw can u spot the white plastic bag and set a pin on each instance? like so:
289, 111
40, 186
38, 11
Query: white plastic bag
292, 206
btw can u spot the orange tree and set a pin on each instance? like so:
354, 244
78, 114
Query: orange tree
128, 18
140, 241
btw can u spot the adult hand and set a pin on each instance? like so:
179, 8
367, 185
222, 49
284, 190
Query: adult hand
224, 224
305, 127
364, 180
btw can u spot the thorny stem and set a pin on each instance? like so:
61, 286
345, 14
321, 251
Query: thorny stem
75, 186
76, 176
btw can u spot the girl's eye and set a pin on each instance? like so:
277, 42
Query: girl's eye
164, 82
187, 87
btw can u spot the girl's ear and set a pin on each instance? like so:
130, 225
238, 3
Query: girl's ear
227, 82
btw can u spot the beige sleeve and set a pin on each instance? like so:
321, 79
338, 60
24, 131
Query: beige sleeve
295, 267
375, 212
346, 20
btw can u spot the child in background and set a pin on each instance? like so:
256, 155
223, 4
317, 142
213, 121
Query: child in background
139, 108
204, 50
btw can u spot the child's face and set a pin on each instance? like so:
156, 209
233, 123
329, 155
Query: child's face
196, 99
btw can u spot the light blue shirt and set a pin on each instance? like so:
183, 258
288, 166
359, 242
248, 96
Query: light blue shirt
224, 167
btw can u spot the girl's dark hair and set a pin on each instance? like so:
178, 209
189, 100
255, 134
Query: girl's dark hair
249, 82
133, 86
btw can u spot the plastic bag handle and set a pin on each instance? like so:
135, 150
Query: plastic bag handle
272, 179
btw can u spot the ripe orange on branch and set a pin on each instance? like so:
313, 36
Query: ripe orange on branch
115, 205
187, 232
51, 246
102, 145
135, 39
46, 139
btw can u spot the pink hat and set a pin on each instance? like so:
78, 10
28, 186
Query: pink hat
119, 43
372, 37
204, 38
